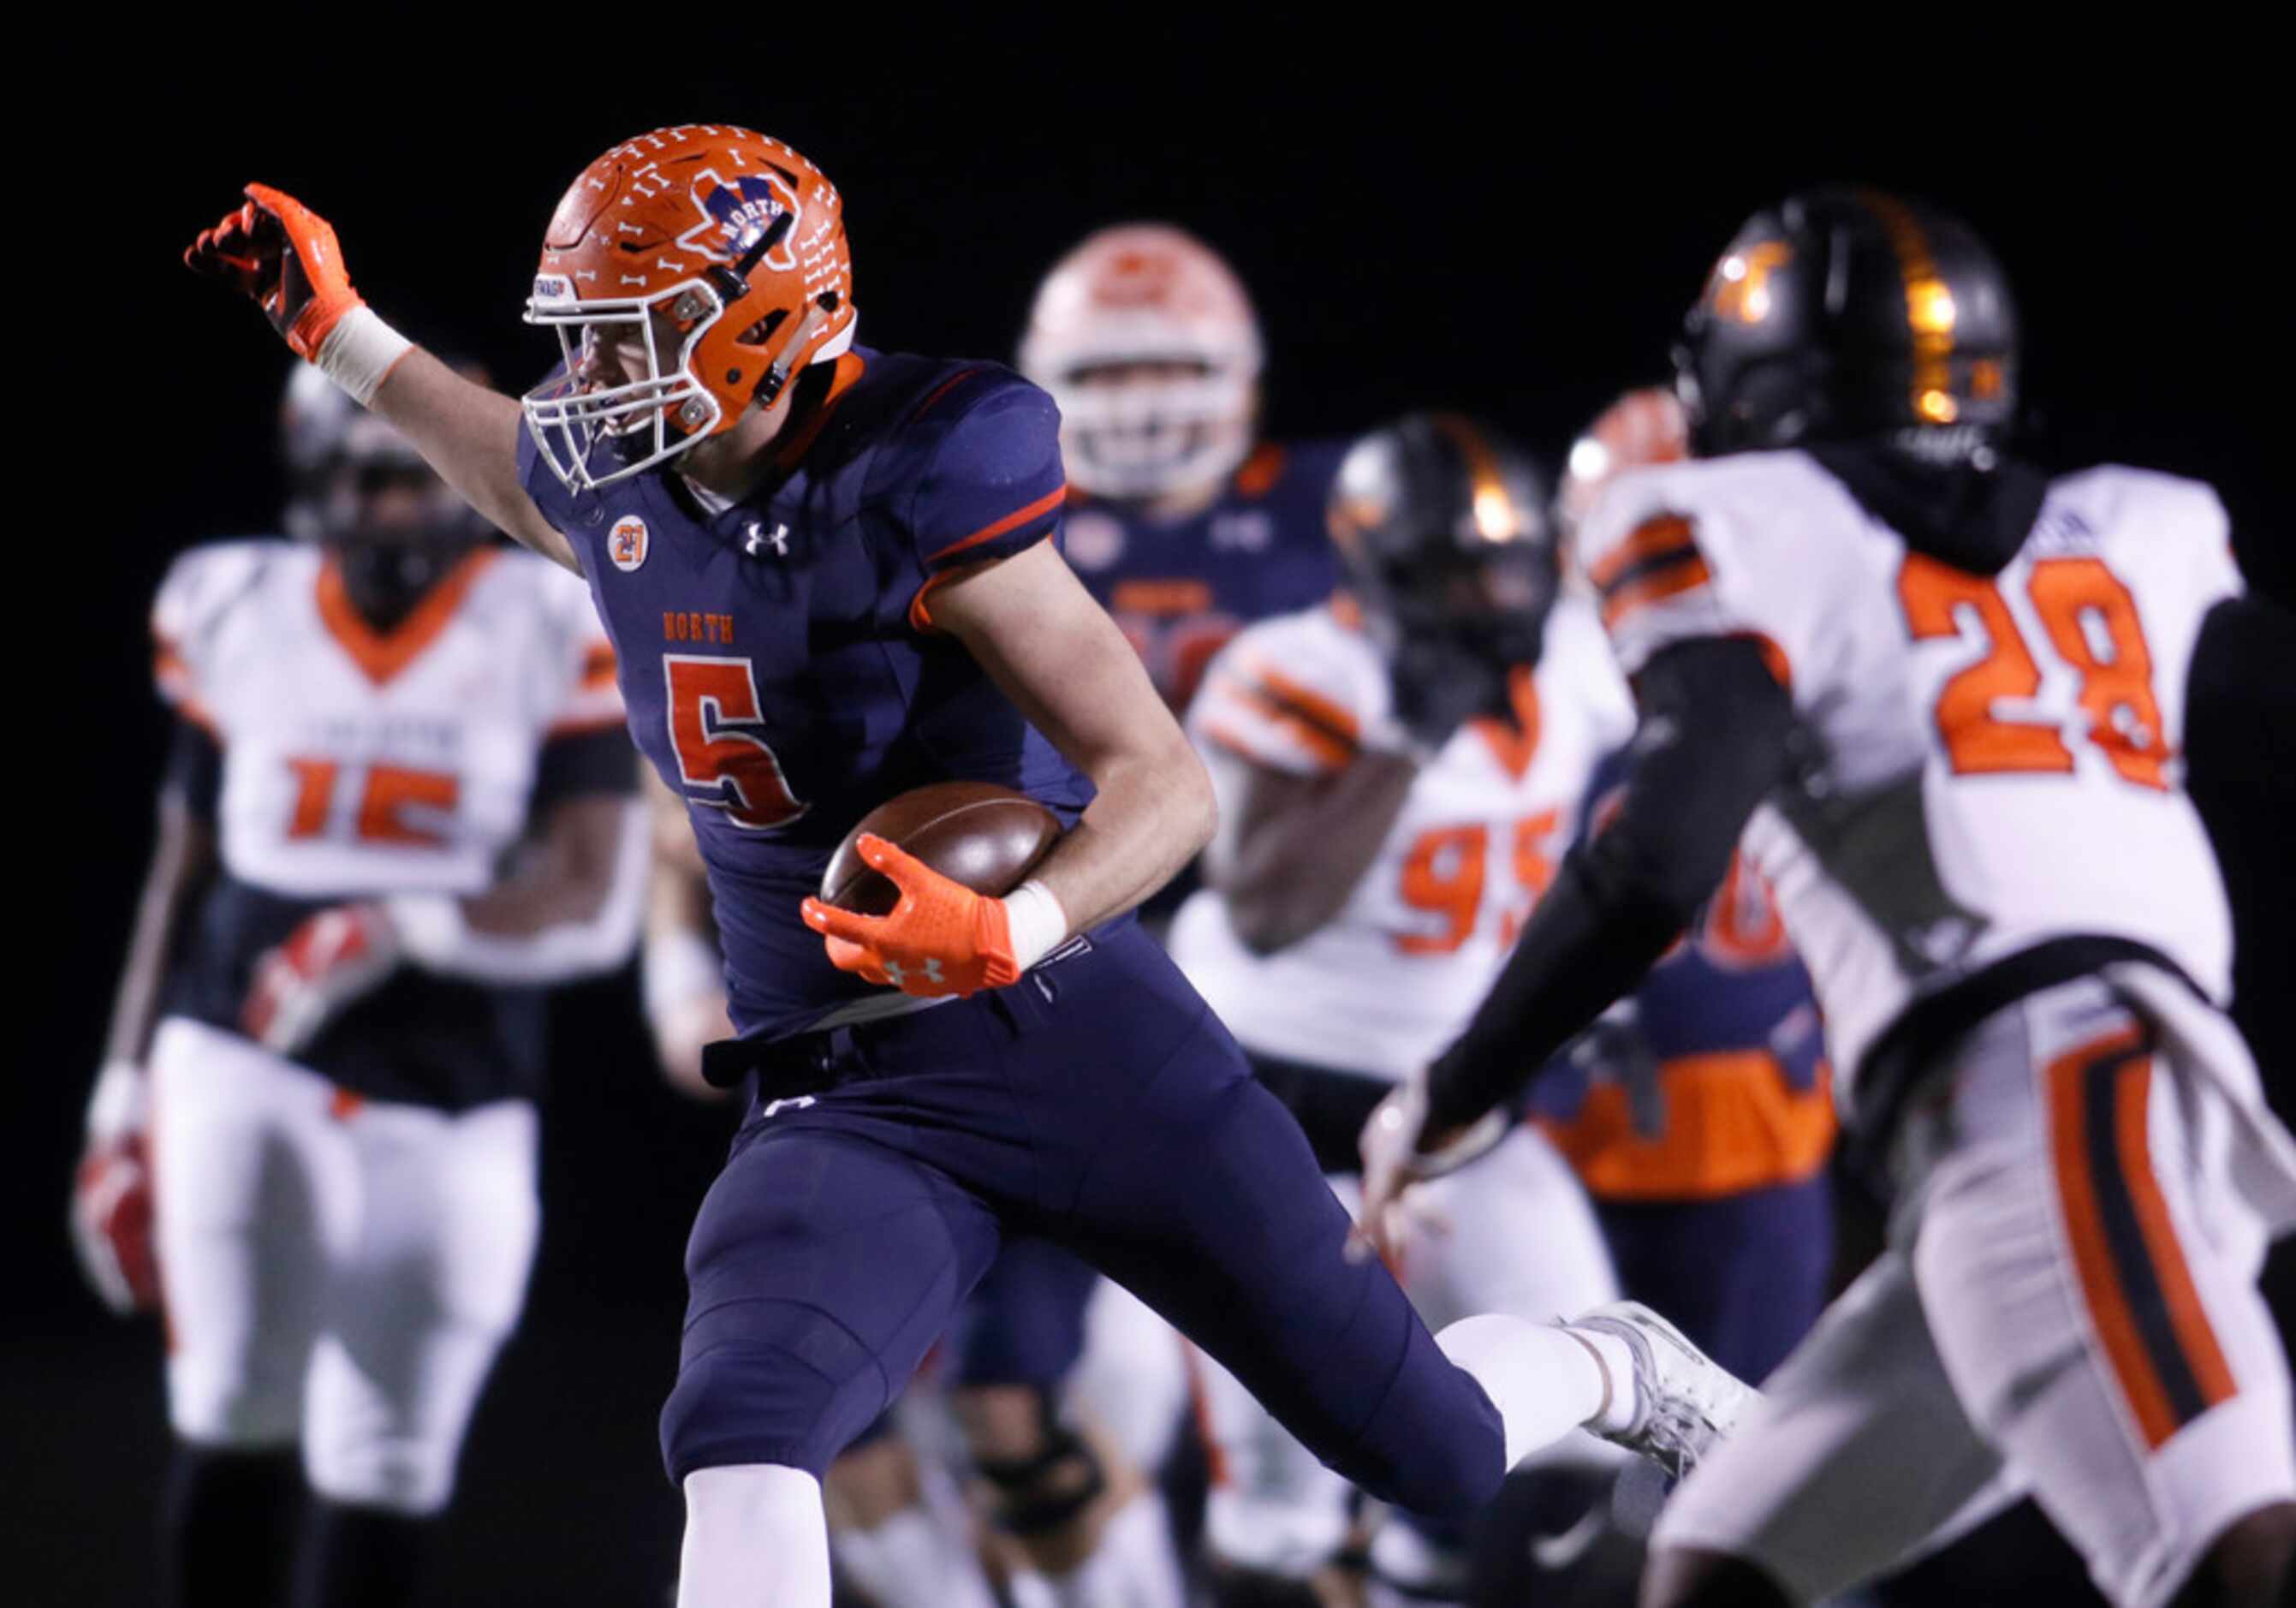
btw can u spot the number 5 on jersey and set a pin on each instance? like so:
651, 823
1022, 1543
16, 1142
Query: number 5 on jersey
712, 700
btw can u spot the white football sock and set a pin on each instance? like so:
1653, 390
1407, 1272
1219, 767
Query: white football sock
1544, 1382
911, 1561
1619, 1412
754, 1537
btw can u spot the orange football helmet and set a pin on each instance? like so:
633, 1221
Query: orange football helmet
727, 241
1642, 427
1153, 297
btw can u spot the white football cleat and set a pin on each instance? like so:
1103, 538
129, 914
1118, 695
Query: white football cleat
1684, 1401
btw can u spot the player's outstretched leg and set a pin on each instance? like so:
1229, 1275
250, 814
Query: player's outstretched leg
1212, 1209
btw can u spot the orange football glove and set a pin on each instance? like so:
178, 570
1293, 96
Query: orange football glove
941, 939
277, 250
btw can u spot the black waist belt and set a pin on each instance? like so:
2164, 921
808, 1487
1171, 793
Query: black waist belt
1933, 1023
804, 1063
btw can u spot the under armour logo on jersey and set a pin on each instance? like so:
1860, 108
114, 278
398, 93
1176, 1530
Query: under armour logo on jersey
897, 974
796, 1103
757, 540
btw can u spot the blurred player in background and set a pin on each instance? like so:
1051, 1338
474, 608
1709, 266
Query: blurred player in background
1697, 1110
1181, 523
1398, 769
1948, 692
828, 577
396, 810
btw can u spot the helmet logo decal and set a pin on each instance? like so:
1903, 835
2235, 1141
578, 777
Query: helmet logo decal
737, 212
627, 542
1741, 281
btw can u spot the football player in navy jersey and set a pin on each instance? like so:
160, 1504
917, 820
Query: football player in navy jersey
826, 576
1183, 528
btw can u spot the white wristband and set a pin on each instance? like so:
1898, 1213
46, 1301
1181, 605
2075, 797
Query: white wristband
1037, 923
359, 352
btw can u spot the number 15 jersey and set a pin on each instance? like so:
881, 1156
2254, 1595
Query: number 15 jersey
1985, 763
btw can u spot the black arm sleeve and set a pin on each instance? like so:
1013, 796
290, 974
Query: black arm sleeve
2240, 757
194, 772
1711, 742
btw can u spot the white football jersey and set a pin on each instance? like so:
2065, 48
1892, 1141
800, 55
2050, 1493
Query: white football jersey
362, 763
1990, 763
1390, 980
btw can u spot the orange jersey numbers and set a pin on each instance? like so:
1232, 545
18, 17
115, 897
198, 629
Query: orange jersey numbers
1443, 874
734, 769
396, 803
2091, 623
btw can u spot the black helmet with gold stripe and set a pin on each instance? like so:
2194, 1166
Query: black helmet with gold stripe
1443, 535
1845, 314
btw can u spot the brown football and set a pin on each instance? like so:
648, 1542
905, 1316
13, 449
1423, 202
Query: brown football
988, 837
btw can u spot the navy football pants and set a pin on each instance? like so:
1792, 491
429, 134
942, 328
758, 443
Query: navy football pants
1097, 1103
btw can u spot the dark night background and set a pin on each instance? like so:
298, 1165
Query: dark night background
1506, 224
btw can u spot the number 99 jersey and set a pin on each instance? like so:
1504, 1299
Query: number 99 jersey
1986, 763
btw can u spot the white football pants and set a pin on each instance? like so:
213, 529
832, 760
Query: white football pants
2069, 1307
335, 1269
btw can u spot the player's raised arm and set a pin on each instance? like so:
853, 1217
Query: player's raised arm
285, 257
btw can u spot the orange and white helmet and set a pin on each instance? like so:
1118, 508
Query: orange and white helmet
1150, 296
1644, 426
726, 242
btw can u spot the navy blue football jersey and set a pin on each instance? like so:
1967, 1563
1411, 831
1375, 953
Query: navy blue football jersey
1180, 589
777, 656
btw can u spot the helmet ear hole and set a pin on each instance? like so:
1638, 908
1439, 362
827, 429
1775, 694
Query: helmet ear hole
762, 332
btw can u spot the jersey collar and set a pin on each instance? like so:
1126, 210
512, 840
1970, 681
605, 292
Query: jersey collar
381, 655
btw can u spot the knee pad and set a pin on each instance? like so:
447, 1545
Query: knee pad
1043, 1491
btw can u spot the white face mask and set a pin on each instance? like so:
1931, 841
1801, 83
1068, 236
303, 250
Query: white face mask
1146, 437
648, 420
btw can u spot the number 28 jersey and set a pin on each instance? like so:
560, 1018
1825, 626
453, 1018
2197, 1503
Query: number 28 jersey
1986, 763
